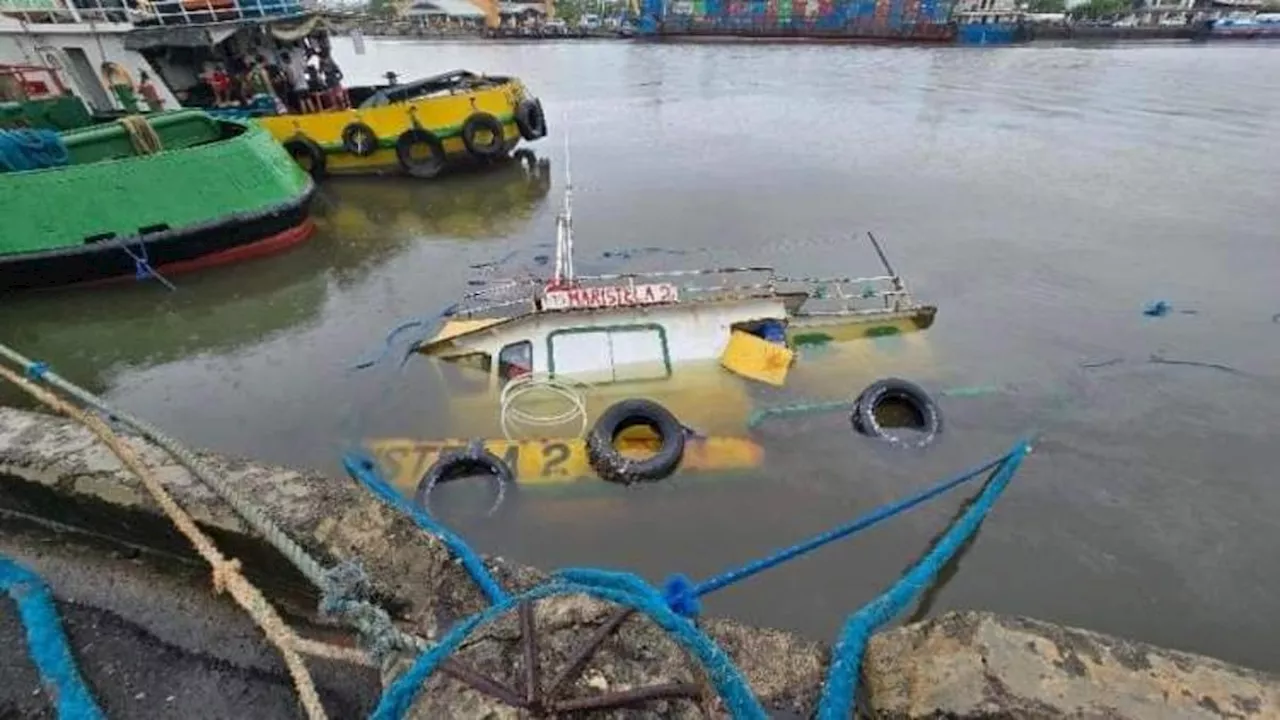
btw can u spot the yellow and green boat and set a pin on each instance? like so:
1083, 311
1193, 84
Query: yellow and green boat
417, 128
144, 197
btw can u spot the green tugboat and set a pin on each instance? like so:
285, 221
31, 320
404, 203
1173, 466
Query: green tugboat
144, 196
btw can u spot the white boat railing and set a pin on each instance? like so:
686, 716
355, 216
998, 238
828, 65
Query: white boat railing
822, 296
149, 12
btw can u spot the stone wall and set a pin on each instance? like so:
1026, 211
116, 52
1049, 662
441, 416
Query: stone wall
961, 665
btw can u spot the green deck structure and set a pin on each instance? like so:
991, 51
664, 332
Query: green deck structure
210, 177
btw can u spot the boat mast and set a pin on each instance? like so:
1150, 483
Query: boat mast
564, 227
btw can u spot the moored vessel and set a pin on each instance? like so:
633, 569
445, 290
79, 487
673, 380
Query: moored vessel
146, 197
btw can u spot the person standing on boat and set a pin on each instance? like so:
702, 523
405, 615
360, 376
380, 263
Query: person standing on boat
333, 79
315, 88
259, 80
221, 84
148, 91
295, 69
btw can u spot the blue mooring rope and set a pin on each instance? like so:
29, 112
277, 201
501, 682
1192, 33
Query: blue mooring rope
841, 687
670, 609
142, 265
47, 644
620, 588
361, 467
682, 594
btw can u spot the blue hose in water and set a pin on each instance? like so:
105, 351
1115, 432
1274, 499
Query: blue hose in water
22, 150
47, 644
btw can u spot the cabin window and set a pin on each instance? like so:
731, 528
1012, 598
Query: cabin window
515, 360
611, 354
465, 374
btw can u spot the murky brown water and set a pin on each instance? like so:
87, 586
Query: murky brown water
1040, 196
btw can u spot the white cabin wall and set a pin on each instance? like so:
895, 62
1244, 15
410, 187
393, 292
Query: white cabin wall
694, 332
103, 42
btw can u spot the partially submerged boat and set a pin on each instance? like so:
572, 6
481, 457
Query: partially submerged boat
148, 196
554, 355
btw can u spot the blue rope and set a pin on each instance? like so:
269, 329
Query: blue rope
22, 150
619, 588
142, 265
46, 642
841, 687
682, 594
37, 370
390, 338
362, 468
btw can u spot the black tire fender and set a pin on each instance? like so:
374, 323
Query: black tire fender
864, 418
303, 146
488, 123
531, 120
611, 465
474, 457
417, 167
359, 139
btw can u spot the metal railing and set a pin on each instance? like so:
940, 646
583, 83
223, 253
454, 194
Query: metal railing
149, 12
821, 296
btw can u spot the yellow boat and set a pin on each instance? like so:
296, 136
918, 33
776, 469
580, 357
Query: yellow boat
554, 356
555, 461
417, 128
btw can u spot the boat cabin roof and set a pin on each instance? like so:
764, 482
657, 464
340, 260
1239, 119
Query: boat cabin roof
449, 82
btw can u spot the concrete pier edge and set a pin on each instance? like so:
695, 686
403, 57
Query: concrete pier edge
959, 665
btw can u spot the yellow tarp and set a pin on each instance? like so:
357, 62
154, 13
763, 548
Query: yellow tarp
757, 359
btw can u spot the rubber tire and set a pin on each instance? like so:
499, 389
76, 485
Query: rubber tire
418, 168
474, 456
864, 419
531, 120
610, 464
303, 145
349, 140
484, 121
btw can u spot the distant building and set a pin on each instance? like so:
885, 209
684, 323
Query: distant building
1164, 12
986, 12
458, 11
520, 13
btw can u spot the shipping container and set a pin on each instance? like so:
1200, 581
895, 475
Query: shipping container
875, 20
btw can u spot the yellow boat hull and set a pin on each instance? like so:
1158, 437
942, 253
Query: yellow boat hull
442, 116
554, 461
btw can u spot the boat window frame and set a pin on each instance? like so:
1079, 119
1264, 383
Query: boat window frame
662, 336
498, 364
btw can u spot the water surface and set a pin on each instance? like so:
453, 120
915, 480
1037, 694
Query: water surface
1040, 196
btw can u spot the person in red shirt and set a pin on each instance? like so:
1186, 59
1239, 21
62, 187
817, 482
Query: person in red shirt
221, 84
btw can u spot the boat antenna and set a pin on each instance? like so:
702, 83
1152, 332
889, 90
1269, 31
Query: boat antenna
564, 225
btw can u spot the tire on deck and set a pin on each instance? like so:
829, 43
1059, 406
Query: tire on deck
473, 459
611, 465
428, 167
897, 390
301, 147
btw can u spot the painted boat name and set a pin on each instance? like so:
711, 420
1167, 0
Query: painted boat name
609, 296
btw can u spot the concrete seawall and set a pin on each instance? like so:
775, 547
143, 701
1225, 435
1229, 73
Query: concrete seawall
961, 665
